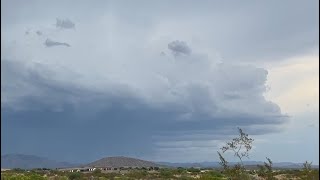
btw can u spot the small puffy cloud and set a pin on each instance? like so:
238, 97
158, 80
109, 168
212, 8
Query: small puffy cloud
39, 33
65, 24
179, 47
51, 43
162, 53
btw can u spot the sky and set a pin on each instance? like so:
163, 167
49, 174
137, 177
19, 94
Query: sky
159, 80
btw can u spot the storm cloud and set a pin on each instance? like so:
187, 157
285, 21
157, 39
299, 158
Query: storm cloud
120, 114
145, 84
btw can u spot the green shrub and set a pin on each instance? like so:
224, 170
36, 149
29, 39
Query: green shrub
211, 175
137, 174
74, 176
166, 173
194, 170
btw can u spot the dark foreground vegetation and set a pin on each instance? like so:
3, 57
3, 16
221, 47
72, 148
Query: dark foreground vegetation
240, 146
165, 173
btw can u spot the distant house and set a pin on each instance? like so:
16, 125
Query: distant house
77, 169
107, 168
5, 169
92, 169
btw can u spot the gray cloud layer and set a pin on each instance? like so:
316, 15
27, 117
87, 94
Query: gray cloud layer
239, 31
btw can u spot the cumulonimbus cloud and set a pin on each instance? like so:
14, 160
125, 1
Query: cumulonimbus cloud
116, 87
198, 107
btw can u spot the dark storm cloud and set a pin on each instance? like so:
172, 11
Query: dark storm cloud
38, 109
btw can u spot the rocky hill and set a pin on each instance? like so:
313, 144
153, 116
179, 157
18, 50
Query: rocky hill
121, 161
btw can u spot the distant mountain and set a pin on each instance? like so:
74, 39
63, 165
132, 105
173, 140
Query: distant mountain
189, 165
30, 161
250, 164
205, 164
120, 161
292, 165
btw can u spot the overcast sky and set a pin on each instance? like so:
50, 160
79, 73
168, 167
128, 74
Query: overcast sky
159, 80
